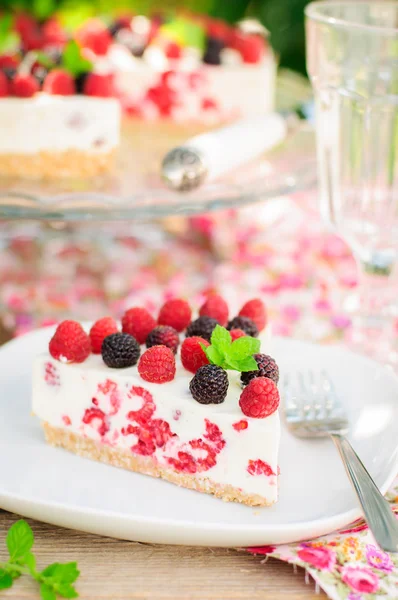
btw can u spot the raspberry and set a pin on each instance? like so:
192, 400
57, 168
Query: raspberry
157, 365
215, 307
209, 385
255, 310
59, 82
53, 33
24, 86
163, 335
202, 327
192, 355
99, 331
251, 47
236, 334
138, 323
267, 367
260, 398
176, 313
3, 85
95, 36
120, 350
70, 343
216, 28
245, 324
98, 85
8, 62
173, 50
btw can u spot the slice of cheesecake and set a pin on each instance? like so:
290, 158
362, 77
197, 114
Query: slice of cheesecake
117, 416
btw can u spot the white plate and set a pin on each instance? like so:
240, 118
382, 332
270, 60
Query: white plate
315, 496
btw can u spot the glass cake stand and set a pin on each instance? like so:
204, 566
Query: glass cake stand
90, 248
135, 190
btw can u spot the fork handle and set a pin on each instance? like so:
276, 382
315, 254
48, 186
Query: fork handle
378, 514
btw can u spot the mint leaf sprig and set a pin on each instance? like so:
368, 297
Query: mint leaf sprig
233, 355
55, 580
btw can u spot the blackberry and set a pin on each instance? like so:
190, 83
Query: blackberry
80, 81
212, 55
120, 350
202, 327
209, 385
163, 335
267, 367
245, 324
115, 27
9, 72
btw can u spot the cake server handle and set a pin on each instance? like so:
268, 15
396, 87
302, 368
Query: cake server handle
211, 154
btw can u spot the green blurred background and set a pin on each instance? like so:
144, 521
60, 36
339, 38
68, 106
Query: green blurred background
283, 18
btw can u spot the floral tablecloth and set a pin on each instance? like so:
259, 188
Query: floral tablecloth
278, 250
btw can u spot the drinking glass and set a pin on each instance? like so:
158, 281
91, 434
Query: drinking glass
352, 61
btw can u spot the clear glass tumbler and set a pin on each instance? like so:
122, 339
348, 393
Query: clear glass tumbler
352, 60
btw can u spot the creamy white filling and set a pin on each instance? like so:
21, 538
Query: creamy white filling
63, 403
58, 123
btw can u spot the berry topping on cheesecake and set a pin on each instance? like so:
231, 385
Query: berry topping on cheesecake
120, 350
160, 402
163, 335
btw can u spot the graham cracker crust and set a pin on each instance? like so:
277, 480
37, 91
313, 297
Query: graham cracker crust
146, 465
52, 165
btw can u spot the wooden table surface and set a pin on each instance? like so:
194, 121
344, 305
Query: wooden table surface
116, 570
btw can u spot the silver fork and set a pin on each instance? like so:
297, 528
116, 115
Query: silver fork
312, 409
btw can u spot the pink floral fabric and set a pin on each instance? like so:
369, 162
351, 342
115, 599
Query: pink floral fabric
347, 564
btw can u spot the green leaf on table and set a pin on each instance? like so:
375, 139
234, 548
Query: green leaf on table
61, 572
6, 580
19, 540
30, 561
66, 590
73, 61
47, 592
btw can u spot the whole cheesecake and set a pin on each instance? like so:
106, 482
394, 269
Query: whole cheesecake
167, 412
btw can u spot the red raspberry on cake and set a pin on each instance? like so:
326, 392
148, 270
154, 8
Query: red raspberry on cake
59, 82
255, 310
99, 331
236, 334
8, 62
53, 33
260, 398
173, 50
70, 343
95, 36
192, 354
23, 86
157, 365
176, 313
251, 47
99, 85
138, 323
215, 307
3, 85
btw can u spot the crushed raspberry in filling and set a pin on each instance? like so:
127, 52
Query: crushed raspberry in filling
97, 419
51, 375
259, 467
240, 425
195, 456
